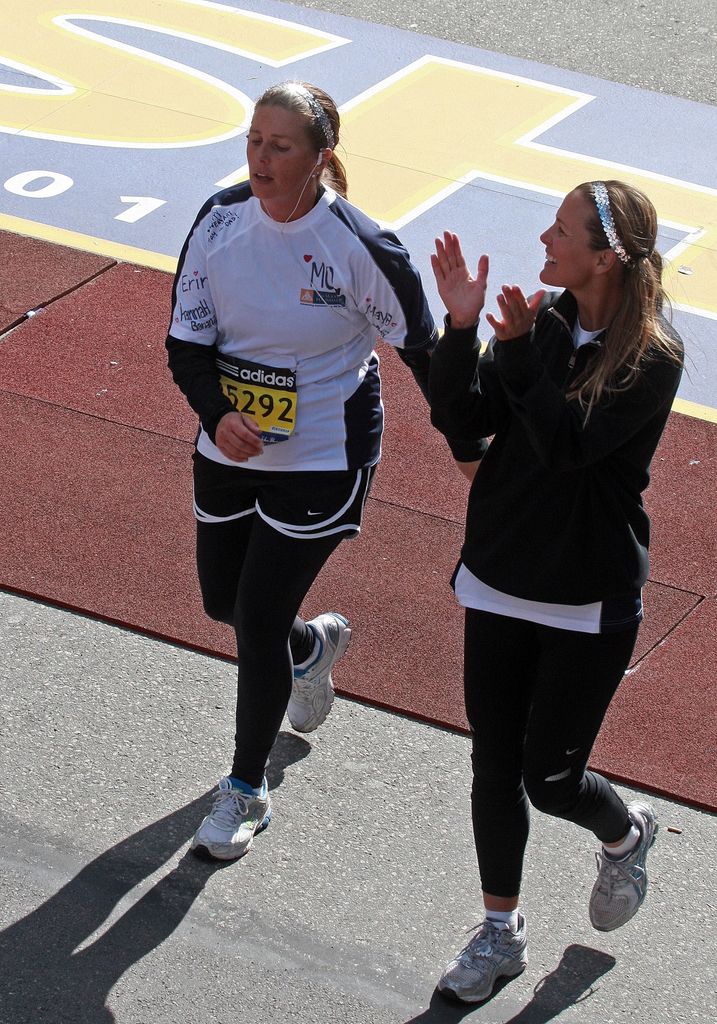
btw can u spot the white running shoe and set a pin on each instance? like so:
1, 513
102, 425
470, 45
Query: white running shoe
313, 692
621, 884
492, 953
237, 815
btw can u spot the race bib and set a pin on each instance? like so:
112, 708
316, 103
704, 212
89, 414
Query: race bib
266, 393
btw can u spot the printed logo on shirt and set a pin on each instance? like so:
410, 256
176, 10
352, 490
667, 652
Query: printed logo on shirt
312, 297
323, 291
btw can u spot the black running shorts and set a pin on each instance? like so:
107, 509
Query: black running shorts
300, 505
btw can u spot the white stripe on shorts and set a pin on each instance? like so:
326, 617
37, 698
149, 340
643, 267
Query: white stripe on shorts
319, 529
205, 517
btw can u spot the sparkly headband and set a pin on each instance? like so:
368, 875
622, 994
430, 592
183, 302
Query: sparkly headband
319, 113
602, 201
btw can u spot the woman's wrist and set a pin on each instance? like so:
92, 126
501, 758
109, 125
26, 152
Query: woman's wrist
461, 324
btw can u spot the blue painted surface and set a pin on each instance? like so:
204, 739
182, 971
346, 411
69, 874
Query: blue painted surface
654, 132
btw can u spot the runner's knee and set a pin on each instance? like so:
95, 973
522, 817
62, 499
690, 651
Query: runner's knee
219, 606
556, 791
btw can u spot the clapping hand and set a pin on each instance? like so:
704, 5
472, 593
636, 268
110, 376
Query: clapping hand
517, 313
463, 295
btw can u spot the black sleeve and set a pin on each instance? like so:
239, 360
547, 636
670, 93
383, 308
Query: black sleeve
459, 393
419, 363
194, 370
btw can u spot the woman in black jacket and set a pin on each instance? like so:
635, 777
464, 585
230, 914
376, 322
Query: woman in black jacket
575, 388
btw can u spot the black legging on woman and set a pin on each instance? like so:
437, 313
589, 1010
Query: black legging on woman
254, 578
535, 699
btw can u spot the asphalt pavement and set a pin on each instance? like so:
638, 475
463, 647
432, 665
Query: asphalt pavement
661, 45
346, 908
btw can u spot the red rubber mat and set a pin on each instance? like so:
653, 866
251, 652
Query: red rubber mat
35, 273
682, 502
96, 516
100, 350
660, 729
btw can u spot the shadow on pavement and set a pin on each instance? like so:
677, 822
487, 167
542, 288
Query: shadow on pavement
570, 983
46, 979
288, 749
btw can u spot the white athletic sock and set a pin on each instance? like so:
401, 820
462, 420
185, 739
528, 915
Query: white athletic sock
626, 846
504, 918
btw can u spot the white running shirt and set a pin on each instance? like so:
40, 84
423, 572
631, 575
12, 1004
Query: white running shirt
312, 296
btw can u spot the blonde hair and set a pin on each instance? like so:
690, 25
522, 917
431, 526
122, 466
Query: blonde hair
637, 331
290, 96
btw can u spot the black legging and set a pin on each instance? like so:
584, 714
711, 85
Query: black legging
254, 578
535, 699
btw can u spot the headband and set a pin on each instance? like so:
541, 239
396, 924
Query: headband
602, 201
318, 111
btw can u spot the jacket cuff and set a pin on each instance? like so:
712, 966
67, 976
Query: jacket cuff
211, 422
467, 450
460, 333
419, 363
517, 363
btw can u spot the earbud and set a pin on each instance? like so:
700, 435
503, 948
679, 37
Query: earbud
319, 159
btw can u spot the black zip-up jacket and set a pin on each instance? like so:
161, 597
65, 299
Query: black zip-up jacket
555, 511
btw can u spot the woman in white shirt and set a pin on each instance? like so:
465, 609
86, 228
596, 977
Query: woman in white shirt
282, 290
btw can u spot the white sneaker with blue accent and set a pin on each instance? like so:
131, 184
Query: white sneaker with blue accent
494, 952
237, 815
313, 691
622, 884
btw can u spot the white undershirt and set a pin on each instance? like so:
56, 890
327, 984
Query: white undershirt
473, 593
583, 337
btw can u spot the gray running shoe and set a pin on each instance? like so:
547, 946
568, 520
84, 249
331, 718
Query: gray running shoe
313, 692
492, 953
236, 817
621, 884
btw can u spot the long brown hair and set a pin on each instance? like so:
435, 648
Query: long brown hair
288, 97
637, 332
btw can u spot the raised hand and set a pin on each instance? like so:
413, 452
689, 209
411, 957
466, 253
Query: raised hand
517, 313
463, 295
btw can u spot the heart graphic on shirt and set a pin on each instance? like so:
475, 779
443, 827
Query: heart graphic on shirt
307, 259
196, 273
